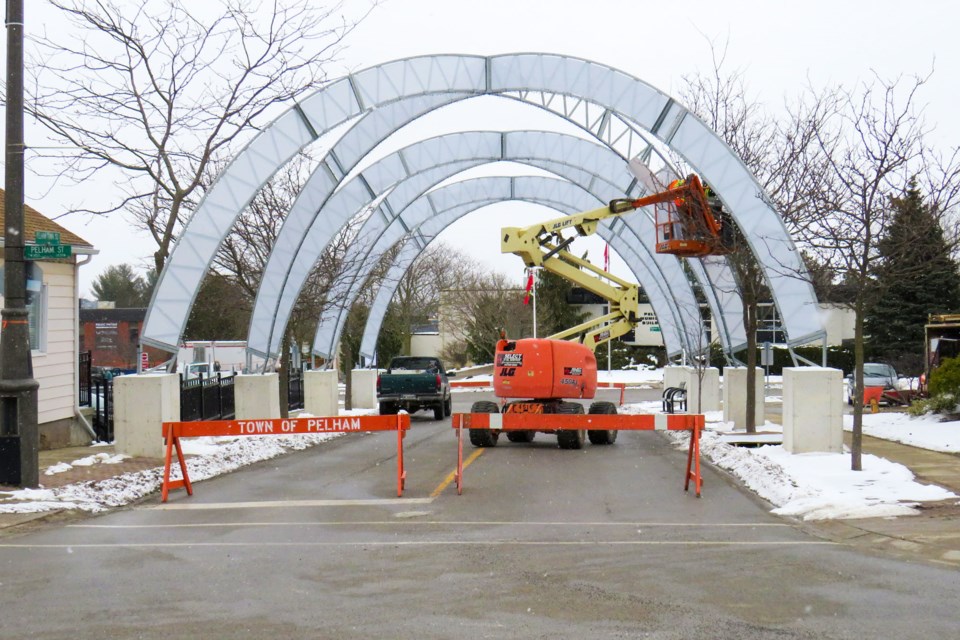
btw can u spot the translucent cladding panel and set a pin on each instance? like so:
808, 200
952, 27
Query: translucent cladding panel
571, 76
180, 279
762, 226
412, 76
722, 294
540, 190
343, 206
380, 123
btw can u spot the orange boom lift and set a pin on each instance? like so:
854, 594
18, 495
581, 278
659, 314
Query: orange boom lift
538, 376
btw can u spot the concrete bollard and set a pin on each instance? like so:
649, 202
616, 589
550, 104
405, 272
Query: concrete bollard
321, 394
735, 397
257, 396
812, 410
696, 403
363, 390
141, 404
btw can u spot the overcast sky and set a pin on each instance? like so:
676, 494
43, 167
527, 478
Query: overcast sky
780, 46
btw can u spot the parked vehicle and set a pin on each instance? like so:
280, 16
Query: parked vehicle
413, 383
875, 374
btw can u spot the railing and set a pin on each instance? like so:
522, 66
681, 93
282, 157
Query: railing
101, 399
295, 390
83, 367
207, 398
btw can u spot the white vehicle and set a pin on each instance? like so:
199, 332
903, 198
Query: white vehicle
210, 356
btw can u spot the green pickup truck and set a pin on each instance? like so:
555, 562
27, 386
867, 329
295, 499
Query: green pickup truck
413, 383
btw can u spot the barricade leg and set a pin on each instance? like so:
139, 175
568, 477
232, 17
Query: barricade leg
401, 472
693, 461
459, 455
173, 441
623, 389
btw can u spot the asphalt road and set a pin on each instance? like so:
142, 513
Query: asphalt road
543, 543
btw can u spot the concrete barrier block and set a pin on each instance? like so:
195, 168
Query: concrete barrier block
812, 410
257, 396
321, 393
141, 404
363, 389
697, 402
735, 397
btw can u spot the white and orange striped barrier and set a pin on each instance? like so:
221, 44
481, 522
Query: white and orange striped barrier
479, 384
691, 422
174, 431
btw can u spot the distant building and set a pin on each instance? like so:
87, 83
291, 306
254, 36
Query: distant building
112, 337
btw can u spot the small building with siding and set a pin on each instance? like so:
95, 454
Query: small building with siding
53, 304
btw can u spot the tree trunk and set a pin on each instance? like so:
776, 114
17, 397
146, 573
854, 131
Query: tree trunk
750, 325
856, 443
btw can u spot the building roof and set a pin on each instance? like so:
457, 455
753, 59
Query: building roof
34, 221
133, 314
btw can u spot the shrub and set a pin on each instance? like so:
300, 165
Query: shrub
945, 379
943, 403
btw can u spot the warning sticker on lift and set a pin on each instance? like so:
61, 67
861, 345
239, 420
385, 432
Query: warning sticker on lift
572, 371
509, 359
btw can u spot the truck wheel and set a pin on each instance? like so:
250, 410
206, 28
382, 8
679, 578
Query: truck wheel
521, 436
603, 436
448, 407
566, 438
438, 412
484, 437
387, 409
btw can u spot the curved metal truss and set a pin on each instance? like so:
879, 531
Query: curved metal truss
610, 104
404, 182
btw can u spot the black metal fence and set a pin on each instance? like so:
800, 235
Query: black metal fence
207, 398
203, 398
295, 390
83, 366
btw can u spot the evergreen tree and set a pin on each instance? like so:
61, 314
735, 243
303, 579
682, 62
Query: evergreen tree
554, 313
120, 285
916, 276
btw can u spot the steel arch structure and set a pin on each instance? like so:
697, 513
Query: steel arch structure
561, 84
529, 147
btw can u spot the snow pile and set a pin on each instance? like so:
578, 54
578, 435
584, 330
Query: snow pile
89, 461
212, 457
821, 486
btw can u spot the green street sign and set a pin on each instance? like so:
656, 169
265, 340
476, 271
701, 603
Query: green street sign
654, 329
47, 251
47, 237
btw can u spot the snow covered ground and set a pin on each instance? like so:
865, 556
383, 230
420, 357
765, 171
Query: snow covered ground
808, 486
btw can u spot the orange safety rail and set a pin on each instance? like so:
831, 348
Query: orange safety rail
692, 422
614, 385
174, 431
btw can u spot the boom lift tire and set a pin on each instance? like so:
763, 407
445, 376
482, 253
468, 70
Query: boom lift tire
566, 438
483, 438
603, 436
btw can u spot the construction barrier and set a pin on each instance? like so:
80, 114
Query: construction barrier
614, 385
174, 431
692, 422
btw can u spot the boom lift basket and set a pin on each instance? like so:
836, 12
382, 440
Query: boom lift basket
691, 225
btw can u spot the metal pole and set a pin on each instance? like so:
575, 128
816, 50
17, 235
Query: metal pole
18, 390
533, 294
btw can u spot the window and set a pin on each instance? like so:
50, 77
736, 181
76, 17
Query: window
36, 304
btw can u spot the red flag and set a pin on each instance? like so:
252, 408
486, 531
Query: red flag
526, 298
606, 257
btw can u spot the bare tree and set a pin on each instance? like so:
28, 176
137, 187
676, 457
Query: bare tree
875, 140
161, 91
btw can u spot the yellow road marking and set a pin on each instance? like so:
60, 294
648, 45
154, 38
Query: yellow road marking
453, 474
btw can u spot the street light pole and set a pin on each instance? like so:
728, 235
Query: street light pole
18, 390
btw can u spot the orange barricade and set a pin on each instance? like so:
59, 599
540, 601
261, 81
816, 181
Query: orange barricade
464, 384
691, 422
174, 431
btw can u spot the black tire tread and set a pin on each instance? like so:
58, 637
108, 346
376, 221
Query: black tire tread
603, 436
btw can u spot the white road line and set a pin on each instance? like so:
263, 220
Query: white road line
433, 543
274, 504
424, 523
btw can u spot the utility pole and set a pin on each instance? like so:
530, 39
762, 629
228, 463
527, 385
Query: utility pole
19, 439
